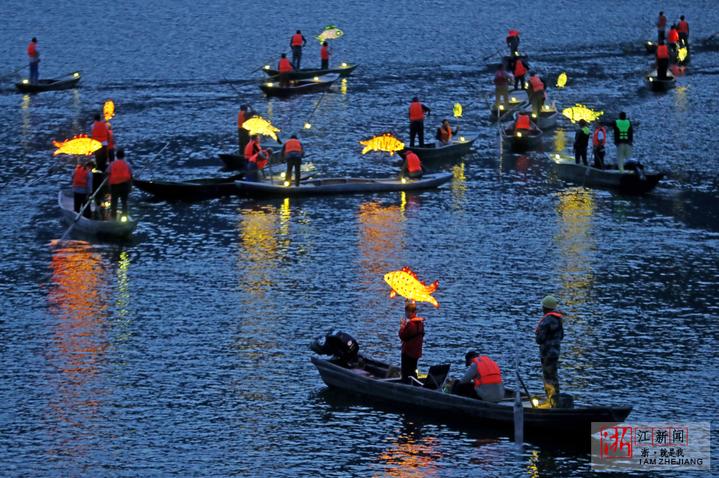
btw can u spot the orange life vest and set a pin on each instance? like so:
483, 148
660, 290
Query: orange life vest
297, 39
241, 118
293, 145
119, 172
662, 52
536, 83
488, 371
79, 177
596, 141
683, 27
284, 66
522, 122
32, 50
251, 149
100, 132
519, 68
416, 112
673, 36
324, 53
261, 158
414, 165
445, 134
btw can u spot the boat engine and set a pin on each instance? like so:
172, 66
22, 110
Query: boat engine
339, 344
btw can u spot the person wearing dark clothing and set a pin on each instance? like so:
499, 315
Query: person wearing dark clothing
661, 27
581, 142
325, 56
341, 345
296, 43
411, 332
417, 113
548, 335
513, 42
662, 60
243, 135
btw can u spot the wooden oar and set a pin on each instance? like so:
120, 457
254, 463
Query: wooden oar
526, 390
82, 210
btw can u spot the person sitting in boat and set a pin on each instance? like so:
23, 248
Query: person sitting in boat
411, 333
411, 166
292, 153
599, 141
520, 71
120, 179
662, 60
522, 123
482, 379
535, 91
341, 345
548, 335
445, 133
501, 87
581, 143
325, 56
623, 139
82, 187
34, 60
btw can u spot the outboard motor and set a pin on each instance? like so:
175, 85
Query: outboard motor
339, 344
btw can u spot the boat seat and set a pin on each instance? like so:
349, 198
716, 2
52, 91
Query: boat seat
436, 376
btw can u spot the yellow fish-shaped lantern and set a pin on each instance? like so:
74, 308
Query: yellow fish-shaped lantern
79, 145
259, 125
682, 53
330, 32
581, 112
457, 110
384, 142
562, 80
405, 283
108, 110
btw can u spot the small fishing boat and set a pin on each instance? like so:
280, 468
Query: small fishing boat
380, 381
654, 83
236, 162
518, 100
650, 47
522, 140
63, 83
548, 117
459, 146
627, 182
116, 229
282, 89
327, 186
344, 70
189, 190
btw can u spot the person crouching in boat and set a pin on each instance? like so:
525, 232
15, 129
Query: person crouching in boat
292, 153
445, 133
548, 335
599, 141
411, 166
522, 123
482, 379
252, 149
120, 179
411, 332
581, 143
82, 187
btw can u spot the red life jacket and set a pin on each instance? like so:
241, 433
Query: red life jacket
536, 84
261, 158
324, 53
414, 165
683, 27
100, 132
513, 33
519, 68
488, 371
662, 52
79, 177
32, 49
662, 22
251, 149
119, 172
284, 66
522, 122
297, 39
673, 36
595, 137
293, 145
445, 134
241, 119
416, 112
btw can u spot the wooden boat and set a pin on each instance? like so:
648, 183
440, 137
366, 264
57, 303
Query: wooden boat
190, 190
654, 83
459, 146
381, 382
627, 182
523, 140
344, 70
327, 186
518, 100
298, 87
102, 228
236, 162
548, 117
63, 83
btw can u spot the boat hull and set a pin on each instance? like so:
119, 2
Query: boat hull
530, 140
311, 73
626, 183
653, 83
190, 190
107, 229
456, 149
47, 85
300, 87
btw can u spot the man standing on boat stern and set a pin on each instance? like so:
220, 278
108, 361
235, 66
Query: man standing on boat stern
297, 42
549, 334
411, 332
120, 179
623, 139
292, 153
417, 112
34, 59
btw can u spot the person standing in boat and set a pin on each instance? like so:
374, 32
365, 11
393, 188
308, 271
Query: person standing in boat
581, 143
661, 27
683, 30
325, 56
243, 136
411, 333
482, 379
536, 93
296, 43
100, 133
417, 112
445, 133
283, 68
520, 71
501, 87
548, 335
82, 187
623, 139
662, 60
513, 42
673, 40
411, 166
120, 179
599, 141
292, 153
34, 59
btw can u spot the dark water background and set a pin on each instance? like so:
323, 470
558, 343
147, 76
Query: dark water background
183, 352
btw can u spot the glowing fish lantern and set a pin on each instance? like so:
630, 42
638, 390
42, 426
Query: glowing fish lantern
682, 53
384, 142
562, 80
581, 112
79, 145
108, 110
457, 110
405, 283
330, 32
259, 125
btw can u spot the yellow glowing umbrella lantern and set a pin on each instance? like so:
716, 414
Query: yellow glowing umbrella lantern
79, 145
259, 125
108, 110
387, 142
457, 110
562, 80
682, 53
581, 112
405, 283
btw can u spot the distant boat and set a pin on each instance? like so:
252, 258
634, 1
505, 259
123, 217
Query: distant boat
63, 83
522, 140
343, 70
283, 89
654, 83
191, 189
102, 228
459, 146
627, 182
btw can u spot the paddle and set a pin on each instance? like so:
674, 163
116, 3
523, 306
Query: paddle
490, 56
82, 210
13, 72
519, 377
